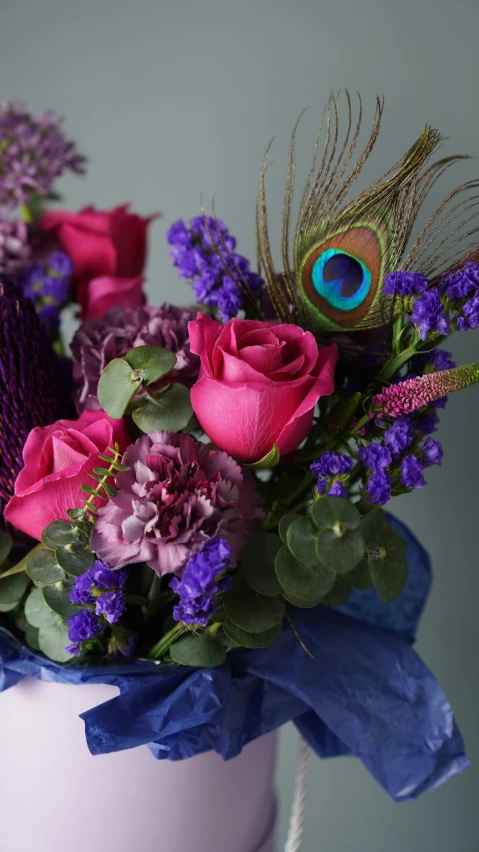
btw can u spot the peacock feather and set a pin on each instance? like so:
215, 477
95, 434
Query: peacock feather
335, 262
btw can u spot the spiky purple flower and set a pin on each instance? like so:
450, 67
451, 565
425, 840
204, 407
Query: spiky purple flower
413, 394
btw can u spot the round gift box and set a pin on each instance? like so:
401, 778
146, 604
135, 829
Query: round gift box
55, 795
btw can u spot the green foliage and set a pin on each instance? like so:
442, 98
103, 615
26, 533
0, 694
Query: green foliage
43, 568
200, 650
5, 546
271, 459
302, 540
60, 534
302, 580
340, 542
252, 611
250, 640
285, 524
75, 562
57, 598
150, 363
170, 410
258, 563
386, 555
117, 386
12, 589
52, 641
37, 611
339, 594
300, 602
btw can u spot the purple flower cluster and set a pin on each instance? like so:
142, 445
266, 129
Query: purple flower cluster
100, 591
329, 466
402, 283
14, 247
48, 286
34, 152
205, 253
462, 289
399, 436
99, 341
429, 315
202, 582
376, 458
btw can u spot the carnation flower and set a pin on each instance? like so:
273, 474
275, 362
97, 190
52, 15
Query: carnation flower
177, 496
99, 341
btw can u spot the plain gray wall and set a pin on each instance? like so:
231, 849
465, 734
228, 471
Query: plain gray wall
174, 99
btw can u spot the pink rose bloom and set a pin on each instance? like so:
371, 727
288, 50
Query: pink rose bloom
108, 250
57, 461
258, 384
177, 496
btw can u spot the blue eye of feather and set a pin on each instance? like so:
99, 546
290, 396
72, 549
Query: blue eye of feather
341, 279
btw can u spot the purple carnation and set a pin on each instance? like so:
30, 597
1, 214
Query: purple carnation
177, 495
403, 283
201, 583
110, 604
432, 452
399, 436
379, 487
99, 341
428, 314
412, 472
375, 456
34, 153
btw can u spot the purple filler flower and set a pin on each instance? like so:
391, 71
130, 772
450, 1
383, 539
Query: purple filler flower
331, 464
82, 590
375, 456
110, 604
412, 472
338, 490
428, 314
99, 341
83, 625
177, 495
432, 452
403, 283
399, 436
379, 487
202, 583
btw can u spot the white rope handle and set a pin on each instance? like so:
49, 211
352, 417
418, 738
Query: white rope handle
296, 820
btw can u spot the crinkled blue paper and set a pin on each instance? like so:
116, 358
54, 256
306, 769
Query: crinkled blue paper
366, 693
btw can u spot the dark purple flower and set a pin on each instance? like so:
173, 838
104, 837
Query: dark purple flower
83, 625
375, 456
428, 423
201, 583
82, 590
34, 153
331, 464
402, 283
110, 604
441, 360
177, 495
399, 436
428, 314
15, 247
99, 341
412, 472
432, 452
338, 490
379, 487
461, 283
470, 314
105, 578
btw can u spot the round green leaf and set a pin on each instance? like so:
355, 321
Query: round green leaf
302, 540
31, 637
339, 594
308, 582
57, 598
285, 524
372, 526
43, 568
59, 534
12, 590
170, 410
258, 561
198, 650
75, 561
300, 602
151, 362
117, 386
388, 566
360, 577
52, 641
250, 640
251, 611
335, 513
340, 552
37, 613
5, 545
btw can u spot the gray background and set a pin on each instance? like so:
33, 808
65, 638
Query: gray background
174, 99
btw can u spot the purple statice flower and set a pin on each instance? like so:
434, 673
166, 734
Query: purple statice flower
379, 487
82, 589
399, 436
201, 583
461, 283
15, 247
99, 341
48, 286
412, 472
105, 578
402, 283
441, 360
110, 604
331, 464
428, 314
470, 314
432, 452
82, 626
338, 490
375, 456
205, 253
34, 152
176, 496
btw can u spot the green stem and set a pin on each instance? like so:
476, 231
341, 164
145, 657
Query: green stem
395, 364
159, 650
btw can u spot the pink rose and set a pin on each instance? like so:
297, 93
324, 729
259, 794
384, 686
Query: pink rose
258, 384
108, 250
57, 461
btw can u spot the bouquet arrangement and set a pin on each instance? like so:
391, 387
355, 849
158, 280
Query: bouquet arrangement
191, 498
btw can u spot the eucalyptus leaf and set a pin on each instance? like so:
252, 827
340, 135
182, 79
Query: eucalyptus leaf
52, 641
59, 534
388, 566
151, 362
57, 598
75, 562
37, 613
117, 386
251, 611
341, 551
360, 577
339, 594
31, 637
271, 459
21, 567
43, 568
285, 524
5, 545
258, 563
302, 540
198, 650
250, 640
300, 602
335, 513
170, 411
307, 582
12, 590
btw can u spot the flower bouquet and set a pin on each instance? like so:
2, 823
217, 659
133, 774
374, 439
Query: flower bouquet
191, 497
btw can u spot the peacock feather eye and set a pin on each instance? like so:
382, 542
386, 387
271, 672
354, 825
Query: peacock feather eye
342, 275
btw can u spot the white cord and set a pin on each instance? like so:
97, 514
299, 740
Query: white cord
296, 820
